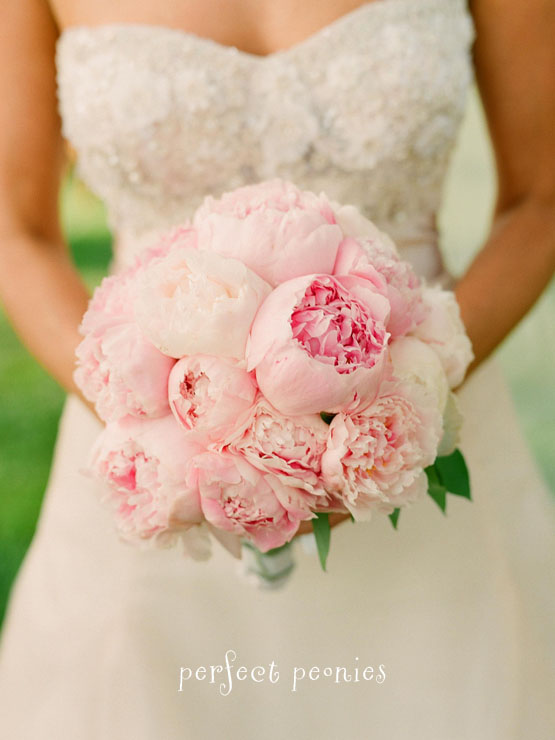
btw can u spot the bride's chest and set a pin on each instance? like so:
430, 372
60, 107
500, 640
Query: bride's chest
145, 105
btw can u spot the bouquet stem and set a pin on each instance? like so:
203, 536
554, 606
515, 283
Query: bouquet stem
271, 569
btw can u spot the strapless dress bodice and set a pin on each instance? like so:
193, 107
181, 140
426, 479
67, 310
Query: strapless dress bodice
367, 109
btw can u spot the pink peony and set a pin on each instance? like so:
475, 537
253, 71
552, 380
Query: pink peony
122, 373
182, 235
238, 498
276, 229
290, 447
444, 332
114, 297
319, 343
111, 303
207, 394
376, 458
354, 224
145, 467
401, 285
416, 363
196, 302
118, 369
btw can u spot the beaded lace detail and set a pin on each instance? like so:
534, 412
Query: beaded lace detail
366, 109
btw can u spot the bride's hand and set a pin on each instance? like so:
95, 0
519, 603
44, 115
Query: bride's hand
335, 518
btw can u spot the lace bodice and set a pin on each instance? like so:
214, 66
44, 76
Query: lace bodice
366, 109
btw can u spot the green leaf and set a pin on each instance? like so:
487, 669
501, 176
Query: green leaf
453, 474
435, 488
322, 533
394, 516
439, 495
352, 518
328, 418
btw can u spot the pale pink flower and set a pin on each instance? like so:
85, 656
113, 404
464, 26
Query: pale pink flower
319, 343
115, 295
118, 368
196, 302
416, 362
375, 458
354, 224
238, 498
122, 373
291, 447
401, 285
276, 229
111, 302
208, 394
144, 465
182, 235
443, 330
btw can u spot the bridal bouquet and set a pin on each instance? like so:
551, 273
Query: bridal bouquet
268, 362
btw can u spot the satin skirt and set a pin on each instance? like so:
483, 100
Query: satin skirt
453, 617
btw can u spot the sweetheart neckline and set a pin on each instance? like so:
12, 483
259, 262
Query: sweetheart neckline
322, 32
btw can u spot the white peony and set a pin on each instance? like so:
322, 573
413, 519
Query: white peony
197, 302
444, 332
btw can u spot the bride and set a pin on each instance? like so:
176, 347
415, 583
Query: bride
443, 630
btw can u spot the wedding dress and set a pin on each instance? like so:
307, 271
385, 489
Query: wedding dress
456, 612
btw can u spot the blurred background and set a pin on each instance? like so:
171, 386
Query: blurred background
30, 402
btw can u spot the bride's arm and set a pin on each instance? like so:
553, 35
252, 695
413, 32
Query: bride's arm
41, 290
514, 56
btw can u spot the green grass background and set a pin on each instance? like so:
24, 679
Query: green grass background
30, 401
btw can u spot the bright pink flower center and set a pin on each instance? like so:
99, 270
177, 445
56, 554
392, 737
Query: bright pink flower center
335, 328
123, 473
193, 389
387, 441
244, 512
134, 477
